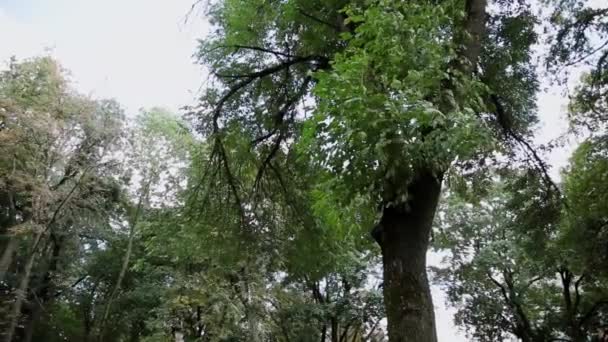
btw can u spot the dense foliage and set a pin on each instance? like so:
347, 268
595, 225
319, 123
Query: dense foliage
297, 201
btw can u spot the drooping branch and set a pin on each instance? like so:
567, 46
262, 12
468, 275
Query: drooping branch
231, 179
287, 106
539, 163
244, 81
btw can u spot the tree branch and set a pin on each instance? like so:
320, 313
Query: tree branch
591, 312
320, 21
249, 78
259, 49
540, 164
280, 117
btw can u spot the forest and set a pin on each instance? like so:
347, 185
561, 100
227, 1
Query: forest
337, 144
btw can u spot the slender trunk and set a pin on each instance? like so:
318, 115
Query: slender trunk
121, 275
570, 306
44, 292
403, 235
7, 257
125, 264
21, 292
88, 316
31, 324
323, 332
252, 320
335, 334
524, 329
87, 327
11, 245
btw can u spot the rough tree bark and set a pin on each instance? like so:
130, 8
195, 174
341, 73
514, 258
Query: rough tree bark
404, 230
404, 237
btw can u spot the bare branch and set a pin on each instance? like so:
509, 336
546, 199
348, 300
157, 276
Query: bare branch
587, 55
265, 136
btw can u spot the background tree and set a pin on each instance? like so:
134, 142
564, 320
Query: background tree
55, 148
512, 269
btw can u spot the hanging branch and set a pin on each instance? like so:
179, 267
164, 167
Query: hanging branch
232, 181
245, 81
288, 106
540, 164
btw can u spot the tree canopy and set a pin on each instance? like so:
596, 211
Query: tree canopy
337, 142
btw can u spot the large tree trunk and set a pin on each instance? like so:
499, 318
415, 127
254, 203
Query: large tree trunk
403, 235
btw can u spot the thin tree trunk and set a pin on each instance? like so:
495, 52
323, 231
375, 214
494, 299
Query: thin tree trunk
44, 296
31, 324
88, 316
21, 292
335, 334
7, 257
121, 275
404, 237
323, 332
125, 264
11, 245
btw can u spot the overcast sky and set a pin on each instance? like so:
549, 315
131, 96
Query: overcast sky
137, 51
140, 52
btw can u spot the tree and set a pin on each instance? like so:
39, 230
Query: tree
512, 269
156, 160
399, 92
53, 171
136, 249
538, 268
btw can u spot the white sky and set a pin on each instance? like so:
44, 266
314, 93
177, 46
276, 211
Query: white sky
139, 52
